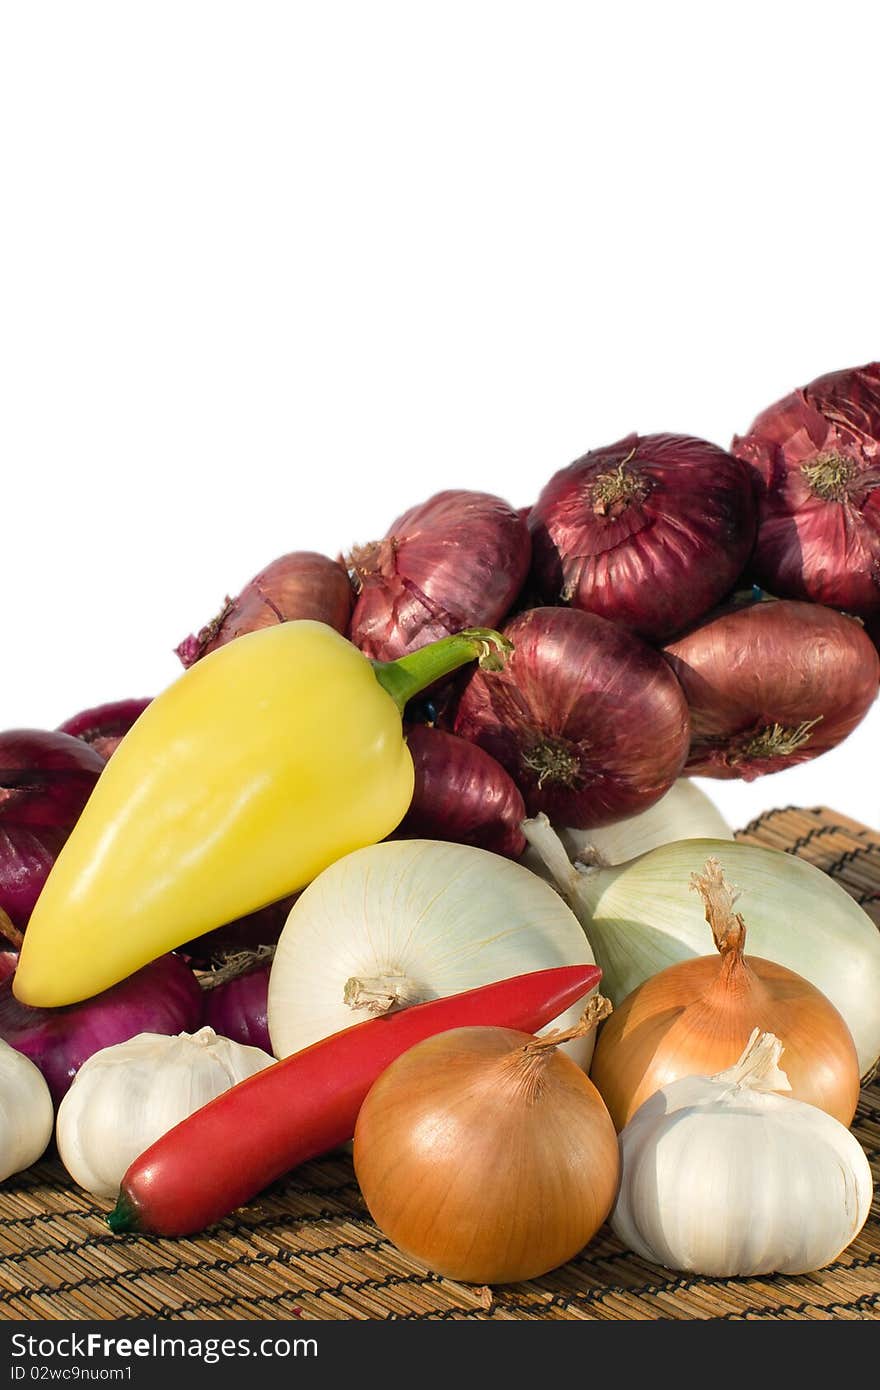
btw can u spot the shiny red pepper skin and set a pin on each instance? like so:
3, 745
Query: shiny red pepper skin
221, 1156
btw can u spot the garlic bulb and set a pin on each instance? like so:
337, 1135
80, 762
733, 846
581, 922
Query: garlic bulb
722, 1176
684, 813
405, 921
125, 1097
26, 1112
642, 916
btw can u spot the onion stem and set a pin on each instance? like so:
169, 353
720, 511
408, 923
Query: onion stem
597, 1010
10, 931
719, 898
411, 674
382, 993
526, 1067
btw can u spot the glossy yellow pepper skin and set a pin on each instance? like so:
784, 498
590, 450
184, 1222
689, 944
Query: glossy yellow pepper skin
262, 764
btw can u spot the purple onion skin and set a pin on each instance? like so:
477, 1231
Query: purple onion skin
816, 457
584, 717
772, 666
303, 584
461, 794
26, 856
163, 997
46, 778
104, 727
456, 561
238, 1008
650, 532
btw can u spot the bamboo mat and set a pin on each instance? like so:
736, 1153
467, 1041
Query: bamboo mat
307, 1249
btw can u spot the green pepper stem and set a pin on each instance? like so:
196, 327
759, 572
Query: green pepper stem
123, 1217
411, 674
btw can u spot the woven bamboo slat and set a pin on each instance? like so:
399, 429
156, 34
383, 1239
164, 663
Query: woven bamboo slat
307, 1249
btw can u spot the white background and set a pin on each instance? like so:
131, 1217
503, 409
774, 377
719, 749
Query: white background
271, 273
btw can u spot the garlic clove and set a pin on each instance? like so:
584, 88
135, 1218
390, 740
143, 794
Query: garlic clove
125, 1097
26, 1112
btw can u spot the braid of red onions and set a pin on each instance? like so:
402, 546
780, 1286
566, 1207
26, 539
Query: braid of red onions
589, 720
456, 561
650, 532
772, 685
816, 455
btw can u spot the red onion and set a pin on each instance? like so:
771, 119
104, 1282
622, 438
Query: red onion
461, 794
300, 585
650, 532
587, 718
236, 1007
105, 726
816, 454
456, 561
164, 997
772, 685
45, 778
260, 928
26, 856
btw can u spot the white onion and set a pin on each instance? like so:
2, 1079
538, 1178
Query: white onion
420, 919
684, 813
642, 916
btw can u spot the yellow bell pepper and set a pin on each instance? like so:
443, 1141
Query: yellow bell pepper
263, 763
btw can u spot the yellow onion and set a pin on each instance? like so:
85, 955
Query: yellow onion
487, 1154
695, 1017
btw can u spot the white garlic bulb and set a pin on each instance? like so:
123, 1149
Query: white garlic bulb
723, 1176
127, 1096
26, 1112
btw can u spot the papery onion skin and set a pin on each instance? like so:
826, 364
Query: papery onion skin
302, 584
649, 532
816, 456
163, 997
583, 716
26, 856
772, 685
696, 1018
237, 1008
461, 794
46, 777
105, 726
485, 1171
456, 561
45, 780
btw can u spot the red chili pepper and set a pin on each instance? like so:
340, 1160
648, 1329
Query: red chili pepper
224, 1154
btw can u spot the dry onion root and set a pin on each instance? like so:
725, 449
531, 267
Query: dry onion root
695, 1018
487, 1154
